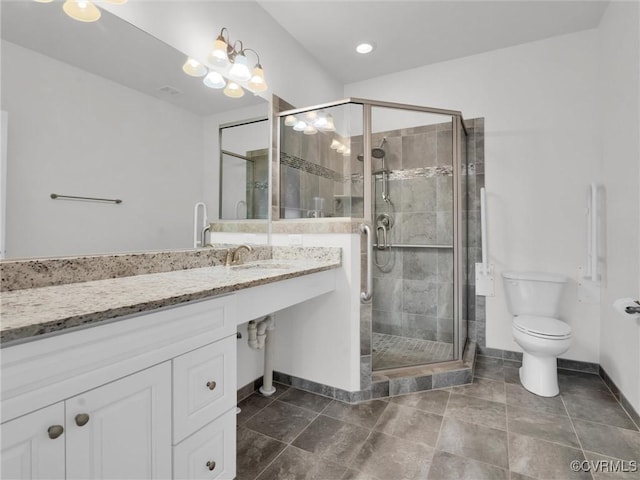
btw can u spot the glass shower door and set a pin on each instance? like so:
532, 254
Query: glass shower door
415, 231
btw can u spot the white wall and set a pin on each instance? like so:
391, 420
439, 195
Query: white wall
620, 103
541, 150
192, 27
75, 133
318, 340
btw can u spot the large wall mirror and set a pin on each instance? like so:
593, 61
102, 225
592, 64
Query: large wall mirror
104, 110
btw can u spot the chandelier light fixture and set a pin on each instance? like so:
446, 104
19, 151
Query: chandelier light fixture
83, 10
231, 59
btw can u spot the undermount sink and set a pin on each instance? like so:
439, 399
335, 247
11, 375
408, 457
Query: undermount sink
261, 266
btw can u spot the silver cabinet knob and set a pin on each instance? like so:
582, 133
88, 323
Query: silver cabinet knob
211, 465
82, 419
211, 385
55, 431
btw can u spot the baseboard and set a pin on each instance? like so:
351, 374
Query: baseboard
563, 363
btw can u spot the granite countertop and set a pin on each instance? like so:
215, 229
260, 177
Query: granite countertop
32, 312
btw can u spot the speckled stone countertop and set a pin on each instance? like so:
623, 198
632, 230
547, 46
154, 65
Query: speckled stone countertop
31, 312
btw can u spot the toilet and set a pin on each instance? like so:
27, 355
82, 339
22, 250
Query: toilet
533, 299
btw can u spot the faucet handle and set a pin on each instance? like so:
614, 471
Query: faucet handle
228, 258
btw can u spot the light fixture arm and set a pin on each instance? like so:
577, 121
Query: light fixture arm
256, 54
221, 36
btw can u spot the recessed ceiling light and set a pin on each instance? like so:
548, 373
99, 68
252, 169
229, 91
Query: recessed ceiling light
365, 48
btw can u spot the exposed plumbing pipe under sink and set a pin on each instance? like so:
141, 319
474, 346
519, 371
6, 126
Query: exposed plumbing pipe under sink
259, 339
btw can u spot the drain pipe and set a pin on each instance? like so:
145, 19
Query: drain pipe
258, 340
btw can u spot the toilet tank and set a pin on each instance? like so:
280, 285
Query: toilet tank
533, 293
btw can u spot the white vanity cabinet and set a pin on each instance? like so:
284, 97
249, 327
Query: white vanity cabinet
151, 396
119, 430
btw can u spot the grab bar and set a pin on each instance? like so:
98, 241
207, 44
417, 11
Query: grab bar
593, 232
366, 295
483, 229
197, 227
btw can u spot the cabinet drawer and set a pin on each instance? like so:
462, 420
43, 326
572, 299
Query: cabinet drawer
208, 453
204, 386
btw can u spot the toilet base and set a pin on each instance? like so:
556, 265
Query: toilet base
539, 375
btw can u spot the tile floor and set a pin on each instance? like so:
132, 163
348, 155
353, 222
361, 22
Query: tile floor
492, 429
391, 351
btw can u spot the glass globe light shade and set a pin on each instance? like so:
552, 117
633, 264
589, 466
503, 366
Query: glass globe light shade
82, 10
233, 90
218, 55
194, 68
300, 126
239, 71
214, 80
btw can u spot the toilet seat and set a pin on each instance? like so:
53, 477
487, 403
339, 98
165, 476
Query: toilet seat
542, 327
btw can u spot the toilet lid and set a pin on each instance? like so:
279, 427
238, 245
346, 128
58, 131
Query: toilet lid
542, 326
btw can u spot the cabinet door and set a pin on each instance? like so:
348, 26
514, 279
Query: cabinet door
122, 429
33, 445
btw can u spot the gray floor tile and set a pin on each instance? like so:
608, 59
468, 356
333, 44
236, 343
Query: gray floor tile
250, 406
332, 439
364, 414
281, 421
518, 476
611, 441
254, 452
614, 469
512, 375
389, 457
553, 428
597, 406
297, 464
410, 424
303, 399
483, 388
434, 401
477, 410
579, 382
490, 371
357, 475
474, 441
446, 466
544, 460
518, 396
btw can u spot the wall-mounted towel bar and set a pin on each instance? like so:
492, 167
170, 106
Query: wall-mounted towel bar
91, 199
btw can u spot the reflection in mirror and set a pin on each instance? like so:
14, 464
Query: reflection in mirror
244, 170
104, 110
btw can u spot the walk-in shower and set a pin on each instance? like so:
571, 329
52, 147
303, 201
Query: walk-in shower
401, 170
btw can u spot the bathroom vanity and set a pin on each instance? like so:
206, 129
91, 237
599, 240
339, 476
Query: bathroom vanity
135, 377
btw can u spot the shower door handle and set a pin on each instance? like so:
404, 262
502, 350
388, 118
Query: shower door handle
367, 293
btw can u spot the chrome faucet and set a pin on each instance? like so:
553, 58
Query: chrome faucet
233, 256
203, 236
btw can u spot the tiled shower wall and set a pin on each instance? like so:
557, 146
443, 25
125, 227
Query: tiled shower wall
310, 169
413, 287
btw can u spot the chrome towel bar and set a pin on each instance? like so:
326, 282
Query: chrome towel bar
92, 199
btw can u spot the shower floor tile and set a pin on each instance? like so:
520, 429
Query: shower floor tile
391, 351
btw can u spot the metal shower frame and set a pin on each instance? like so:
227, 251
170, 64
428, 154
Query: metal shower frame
457, 128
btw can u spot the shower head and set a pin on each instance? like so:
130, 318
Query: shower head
376, 152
